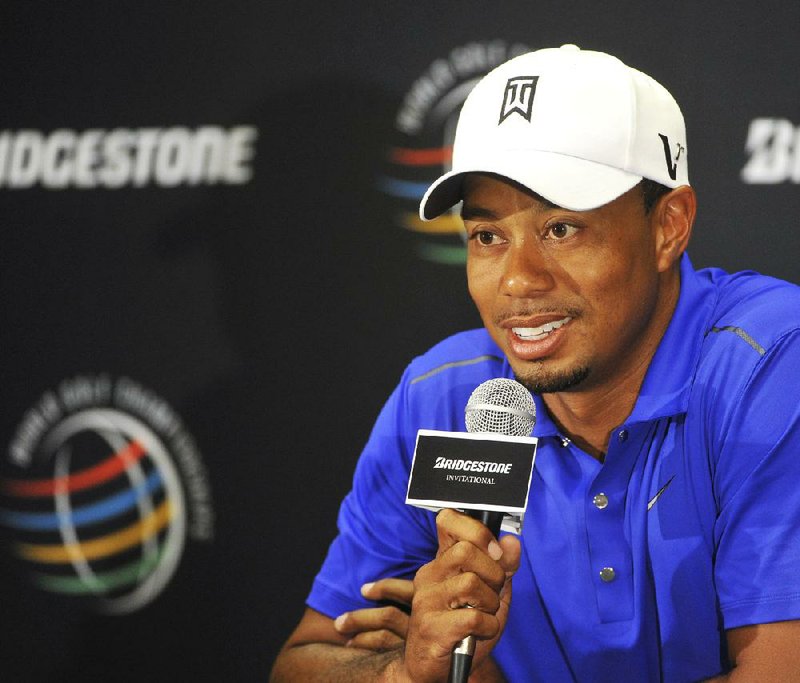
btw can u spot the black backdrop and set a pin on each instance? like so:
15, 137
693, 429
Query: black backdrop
273, 313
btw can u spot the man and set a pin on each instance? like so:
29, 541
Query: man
661, 536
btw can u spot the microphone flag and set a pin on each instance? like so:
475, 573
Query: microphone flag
473, 471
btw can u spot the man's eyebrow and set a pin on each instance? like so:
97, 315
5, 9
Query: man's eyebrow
475, 212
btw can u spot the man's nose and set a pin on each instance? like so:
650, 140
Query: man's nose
527, 272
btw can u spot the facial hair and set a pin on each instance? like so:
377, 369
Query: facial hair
552, 384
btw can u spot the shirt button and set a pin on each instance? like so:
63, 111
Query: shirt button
600, 501
623, 435
607, 574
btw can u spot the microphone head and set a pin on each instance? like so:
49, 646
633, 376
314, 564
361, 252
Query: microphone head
501, 406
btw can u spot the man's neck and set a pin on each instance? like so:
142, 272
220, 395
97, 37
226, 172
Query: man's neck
588, 414
588, 418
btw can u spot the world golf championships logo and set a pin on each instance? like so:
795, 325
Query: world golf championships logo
424, 131
104, 487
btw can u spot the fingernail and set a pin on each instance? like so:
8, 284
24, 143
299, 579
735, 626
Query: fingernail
339, 623
366, 588
495, 551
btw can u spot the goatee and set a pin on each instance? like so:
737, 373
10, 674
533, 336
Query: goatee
553, 384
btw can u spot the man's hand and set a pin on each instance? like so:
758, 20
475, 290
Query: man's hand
379, 628
471, 569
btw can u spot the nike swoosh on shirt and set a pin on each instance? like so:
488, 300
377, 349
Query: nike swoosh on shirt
659, 492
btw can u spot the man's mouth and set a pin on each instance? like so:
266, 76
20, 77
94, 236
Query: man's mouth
540, 332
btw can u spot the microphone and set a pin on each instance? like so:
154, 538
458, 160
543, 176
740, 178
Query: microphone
497, 406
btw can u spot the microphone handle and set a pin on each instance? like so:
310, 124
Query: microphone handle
490, 519
461, 659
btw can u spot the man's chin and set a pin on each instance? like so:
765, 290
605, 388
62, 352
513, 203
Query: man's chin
552, 382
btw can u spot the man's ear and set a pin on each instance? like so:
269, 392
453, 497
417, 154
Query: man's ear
674, 217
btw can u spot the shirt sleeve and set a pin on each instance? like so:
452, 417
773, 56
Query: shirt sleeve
379, 536
757, 488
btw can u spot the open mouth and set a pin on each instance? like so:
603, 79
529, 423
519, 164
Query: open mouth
539, 333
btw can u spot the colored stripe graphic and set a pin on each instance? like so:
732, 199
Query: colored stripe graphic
447, 224
88, 514
103, 546
441, 253
97, 474
421, 157
404, 189
104, 582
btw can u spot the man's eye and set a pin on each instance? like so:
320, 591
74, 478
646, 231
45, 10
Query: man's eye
483, 237
560, 231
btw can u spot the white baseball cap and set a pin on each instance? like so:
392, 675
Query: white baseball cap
577, 127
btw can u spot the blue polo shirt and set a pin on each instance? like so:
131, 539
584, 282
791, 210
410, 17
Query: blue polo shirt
632, 569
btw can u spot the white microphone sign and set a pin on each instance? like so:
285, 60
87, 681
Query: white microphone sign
473, 471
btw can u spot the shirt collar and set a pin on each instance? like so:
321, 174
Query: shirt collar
667, 384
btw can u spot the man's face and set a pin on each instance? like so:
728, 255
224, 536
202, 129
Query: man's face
572, 297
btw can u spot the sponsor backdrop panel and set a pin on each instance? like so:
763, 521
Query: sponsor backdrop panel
212, 275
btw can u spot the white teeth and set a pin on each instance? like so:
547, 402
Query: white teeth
536, 333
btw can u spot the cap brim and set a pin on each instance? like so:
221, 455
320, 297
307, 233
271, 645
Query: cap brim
569, 182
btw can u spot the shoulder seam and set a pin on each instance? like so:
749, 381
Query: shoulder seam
454, 364
739, 332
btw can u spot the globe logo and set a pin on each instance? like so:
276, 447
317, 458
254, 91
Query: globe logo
423, 145
99, 511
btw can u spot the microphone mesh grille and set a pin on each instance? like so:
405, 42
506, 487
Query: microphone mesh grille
501, 406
